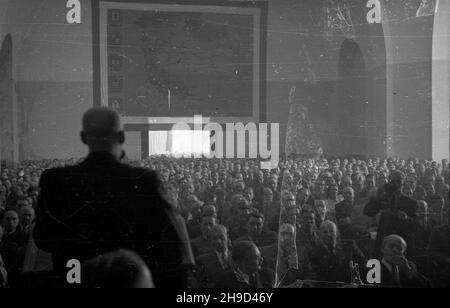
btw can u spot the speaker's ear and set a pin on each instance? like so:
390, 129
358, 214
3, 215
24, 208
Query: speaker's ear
83, 138
121, 137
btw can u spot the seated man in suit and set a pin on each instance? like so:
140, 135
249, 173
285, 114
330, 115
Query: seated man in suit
331, 259
213, 264
307, 236
11, 240
26, 220
320, 210
287, 259
344, 211
396, 270
193, 222
270, 209
202, 244
246, 271
256, 231
236, 223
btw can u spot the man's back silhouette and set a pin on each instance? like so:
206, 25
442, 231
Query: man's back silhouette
102, 205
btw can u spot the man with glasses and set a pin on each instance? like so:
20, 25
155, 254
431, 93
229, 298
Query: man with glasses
247, 271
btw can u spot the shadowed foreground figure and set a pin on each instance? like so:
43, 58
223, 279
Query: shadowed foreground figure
102, 205
120, 269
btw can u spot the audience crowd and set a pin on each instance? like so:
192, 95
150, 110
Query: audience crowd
307, 223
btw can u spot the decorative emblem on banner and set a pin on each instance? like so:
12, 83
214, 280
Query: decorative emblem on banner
116, 84
116, 104
115, 17
115, 62
115, 39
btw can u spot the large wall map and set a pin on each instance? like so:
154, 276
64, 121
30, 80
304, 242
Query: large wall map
177, 64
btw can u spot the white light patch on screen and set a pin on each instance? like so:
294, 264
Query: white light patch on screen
179, 142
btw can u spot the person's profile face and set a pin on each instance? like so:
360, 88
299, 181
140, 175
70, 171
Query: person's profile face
429, 188
215, 177
255, 226
272, 184
320, 211
420, 194
393, 248
348, 195
333, 191
408, 192
287, 238
248, 193
219, 240
10, 221
267, 196
206, 226
307, 221
328, 235
304, 195
239, 186
252, 261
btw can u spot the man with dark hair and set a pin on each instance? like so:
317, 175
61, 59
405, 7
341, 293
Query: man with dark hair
307, 236
247, 271
202, 244
194, 216
102, 205
256, 232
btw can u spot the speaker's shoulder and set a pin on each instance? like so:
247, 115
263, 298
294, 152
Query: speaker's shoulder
138, 173
57, 172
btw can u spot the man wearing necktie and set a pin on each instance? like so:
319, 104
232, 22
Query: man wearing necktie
246, 271
211, 265
396, 270
330, 260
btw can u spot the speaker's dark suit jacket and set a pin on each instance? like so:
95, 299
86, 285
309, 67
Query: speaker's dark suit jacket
102, 205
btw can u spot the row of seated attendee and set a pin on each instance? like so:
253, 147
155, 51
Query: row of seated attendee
360, 203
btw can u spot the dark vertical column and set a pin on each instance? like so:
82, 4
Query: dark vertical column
145, 143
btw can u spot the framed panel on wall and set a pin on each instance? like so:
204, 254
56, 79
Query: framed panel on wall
162, 63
